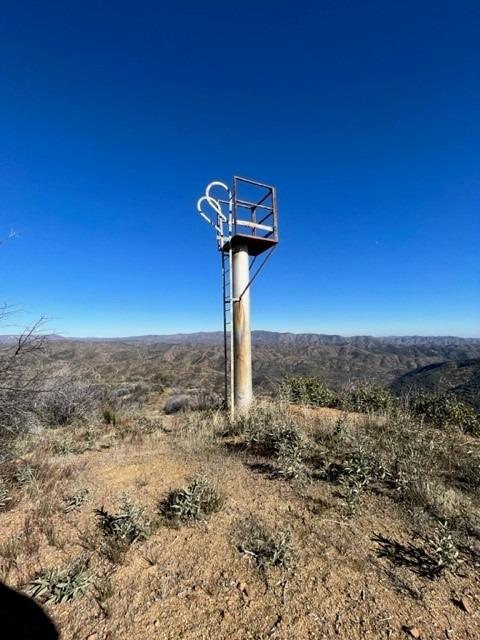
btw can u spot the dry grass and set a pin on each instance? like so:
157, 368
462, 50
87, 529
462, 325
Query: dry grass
323, 571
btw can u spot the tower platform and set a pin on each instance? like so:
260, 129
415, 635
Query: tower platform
255, 244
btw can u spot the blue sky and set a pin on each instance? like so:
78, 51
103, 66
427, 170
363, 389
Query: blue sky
365, 115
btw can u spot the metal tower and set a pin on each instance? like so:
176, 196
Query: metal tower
245, 220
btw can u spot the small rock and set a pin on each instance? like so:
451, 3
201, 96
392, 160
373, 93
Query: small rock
463, 604
413, 632
449, 633
243, 588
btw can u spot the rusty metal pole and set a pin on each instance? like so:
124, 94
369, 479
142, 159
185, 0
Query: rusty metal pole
242, 341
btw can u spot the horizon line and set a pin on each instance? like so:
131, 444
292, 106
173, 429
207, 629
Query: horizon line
220, 331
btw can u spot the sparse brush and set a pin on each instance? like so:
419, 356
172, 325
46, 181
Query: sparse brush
75, 501
126, 526
68, 399
148, 425
264, 546
446, 411
341, 424
191, 400
400, 480
10, 550
444, 549
284, 442
365, 399
356, 473
109, 417
288, 446
193, 502
308, 391
52, 536
44, 509
5, 495
24, 474
61, 585
103, 592
151, 554
67, 446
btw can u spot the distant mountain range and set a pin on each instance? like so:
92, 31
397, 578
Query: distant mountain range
196, 359
186, 360
273, 338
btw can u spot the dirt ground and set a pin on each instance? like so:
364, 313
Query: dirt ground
192, 582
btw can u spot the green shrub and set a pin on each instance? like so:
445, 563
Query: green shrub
266, 547
285, 443
444, 549
365, 399
446, 411
24, 474
126, 526
193, 502
356, 473
61, 585
308, 391
109, 417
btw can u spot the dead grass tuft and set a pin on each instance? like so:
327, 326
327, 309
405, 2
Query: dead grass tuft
264, 546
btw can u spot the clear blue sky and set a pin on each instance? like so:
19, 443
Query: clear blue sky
365, 115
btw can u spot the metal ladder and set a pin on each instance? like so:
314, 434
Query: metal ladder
227, 289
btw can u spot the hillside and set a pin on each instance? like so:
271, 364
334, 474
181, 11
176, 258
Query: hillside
459, 377
313, 543
337, 361
119, 520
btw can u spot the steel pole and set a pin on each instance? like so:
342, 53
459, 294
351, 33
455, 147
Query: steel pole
242, 341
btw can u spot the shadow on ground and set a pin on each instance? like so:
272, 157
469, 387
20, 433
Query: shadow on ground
401, 555
22, 619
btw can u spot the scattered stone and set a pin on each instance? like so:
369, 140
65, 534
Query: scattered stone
273, 628
413, 632
449, 633
463, 604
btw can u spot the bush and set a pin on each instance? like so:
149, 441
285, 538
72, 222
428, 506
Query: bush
21, 380
126, 526
266, 547
5, 496
191, 400
309, 391
109, 417
193, 502
447, 412
24, 474
285, 443
61, 585
268, 431
68, 399
357, 473
444, 549
365, 399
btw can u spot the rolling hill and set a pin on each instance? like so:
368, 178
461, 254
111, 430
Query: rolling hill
459, 377
196, 360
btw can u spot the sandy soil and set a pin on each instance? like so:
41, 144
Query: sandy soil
193, 583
